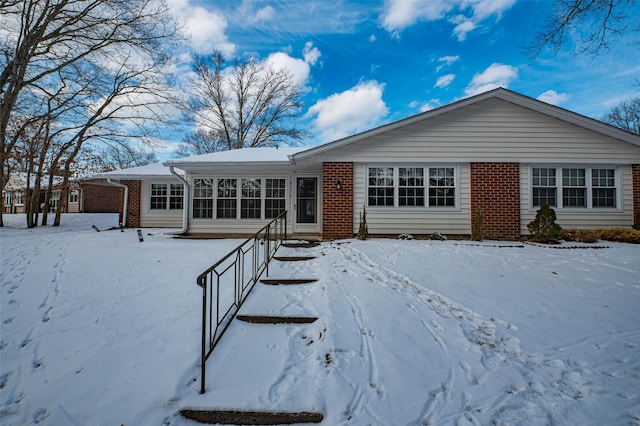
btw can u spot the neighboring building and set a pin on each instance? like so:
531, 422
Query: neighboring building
82, 197
498, 152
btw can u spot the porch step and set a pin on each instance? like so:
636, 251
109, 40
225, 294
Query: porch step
301, 244
287, 281
267, 319
293, 258
231, 417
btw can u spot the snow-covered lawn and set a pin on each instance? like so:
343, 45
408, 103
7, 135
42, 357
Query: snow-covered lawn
100, 329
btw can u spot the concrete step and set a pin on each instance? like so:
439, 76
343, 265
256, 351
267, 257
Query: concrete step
287, 281
267, 319
231, 417
300, 244
293, 258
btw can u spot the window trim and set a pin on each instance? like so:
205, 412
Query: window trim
588, 168
238, 198
168, 195
426, 185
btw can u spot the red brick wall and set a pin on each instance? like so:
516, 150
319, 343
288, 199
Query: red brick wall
133, 208
495, 188
337, 204
635, 170
101, 198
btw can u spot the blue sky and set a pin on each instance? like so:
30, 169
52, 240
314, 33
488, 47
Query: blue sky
366, 63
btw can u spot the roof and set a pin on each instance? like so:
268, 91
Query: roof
252, 156
499, 93
150, 170
18, 181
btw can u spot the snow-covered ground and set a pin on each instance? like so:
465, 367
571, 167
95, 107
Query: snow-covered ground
100, 329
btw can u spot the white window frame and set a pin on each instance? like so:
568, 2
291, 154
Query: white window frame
7, 199
239, 196
74, 196
426, 167
589, 187
19, 198
54, 201
168, 195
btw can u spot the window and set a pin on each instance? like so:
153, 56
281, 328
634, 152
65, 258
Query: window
73, 197
603, 187
166, 196
381, 190
250, 203
7, 199
544, 187
19, 198
274, 197
158, 196
574, 188
411, 186
176, 196
579, 187
203, 198
54, 202
442, 188
227, 203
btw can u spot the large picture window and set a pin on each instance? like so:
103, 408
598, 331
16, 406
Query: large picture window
239, 198
411, 186
578, 187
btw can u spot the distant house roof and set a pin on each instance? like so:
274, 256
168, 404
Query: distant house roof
18, 182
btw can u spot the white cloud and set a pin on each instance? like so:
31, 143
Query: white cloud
310, 53
205, 28
253, 16
464, 27
299, 68
401, 14
427, 106
354, 110
372, 38
448, 60
554, 98
496, 75
445, 80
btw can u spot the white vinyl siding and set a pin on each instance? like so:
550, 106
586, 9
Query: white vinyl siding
419, 221
490, 131
157, 218
582, 218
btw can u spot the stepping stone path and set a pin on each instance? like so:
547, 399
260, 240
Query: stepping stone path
255, 417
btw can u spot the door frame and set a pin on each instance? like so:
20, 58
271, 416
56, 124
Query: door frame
307, 228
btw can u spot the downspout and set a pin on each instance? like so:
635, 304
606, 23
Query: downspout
185, 202
125, 205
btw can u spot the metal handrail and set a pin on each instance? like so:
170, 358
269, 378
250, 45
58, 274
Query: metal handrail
233, 279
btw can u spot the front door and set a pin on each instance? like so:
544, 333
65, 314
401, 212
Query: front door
306, 209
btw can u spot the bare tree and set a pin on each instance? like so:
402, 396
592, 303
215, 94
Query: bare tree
595, 24
248, 104
200, 142
124, 156
626, 116
101, 62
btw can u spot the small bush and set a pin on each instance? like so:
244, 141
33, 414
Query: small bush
363, 229
619, 234
438, 237
477, 231
544, 227
579, 235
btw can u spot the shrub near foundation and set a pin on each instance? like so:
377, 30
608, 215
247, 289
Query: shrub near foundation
619, 234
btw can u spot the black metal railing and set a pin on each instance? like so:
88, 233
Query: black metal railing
226, 284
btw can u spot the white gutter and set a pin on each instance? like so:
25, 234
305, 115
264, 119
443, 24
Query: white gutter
125, 206
185, 202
